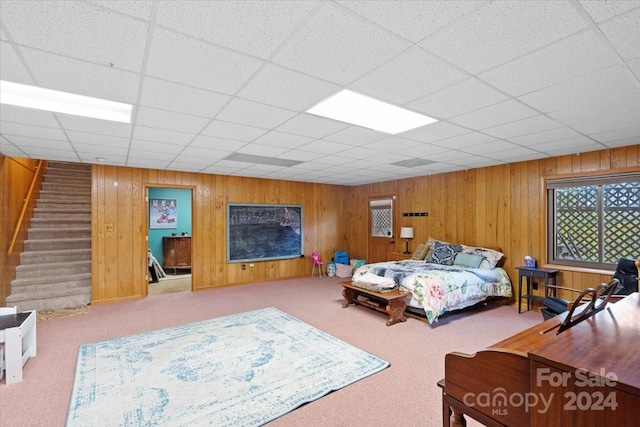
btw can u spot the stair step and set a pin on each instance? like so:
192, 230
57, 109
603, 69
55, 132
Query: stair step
53, 244
65, 171
51, 204
74, 280
55, 256
68, 297
65, 197
60, 221
64, 180
29, 271
77, 215
52, 233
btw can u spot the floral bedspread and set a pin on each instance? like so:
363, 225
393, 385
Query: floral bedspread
440, 288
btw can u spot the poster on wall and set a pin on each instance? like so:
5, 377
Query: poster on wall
263, 232
163, 213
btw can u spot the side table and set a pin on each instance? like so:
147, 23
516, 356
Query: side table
548, 276
18, 332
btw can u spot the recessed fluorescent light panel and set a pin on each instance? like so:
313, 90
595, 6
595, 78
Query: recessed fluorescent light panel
351, 107
63, 102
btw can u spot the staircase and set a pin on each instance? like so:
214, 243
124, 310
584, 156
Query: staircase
55, 267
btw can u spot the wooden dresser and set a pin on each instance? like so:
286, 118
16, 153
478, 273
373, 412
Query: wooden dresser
176, 253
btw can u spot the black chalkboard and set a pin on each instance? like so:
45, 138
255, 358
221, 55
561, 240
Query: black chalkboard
257, 232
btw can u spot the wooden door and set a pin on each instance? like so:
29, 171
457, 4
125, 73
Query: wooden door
381, 227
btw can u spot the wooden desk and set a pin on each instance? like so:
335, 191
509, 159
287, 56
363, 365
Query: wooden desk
395, 301
588, 375
18, 332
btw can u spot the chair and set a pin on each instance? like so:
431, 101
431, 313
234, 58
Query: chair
3, 311
627, 272
317, 262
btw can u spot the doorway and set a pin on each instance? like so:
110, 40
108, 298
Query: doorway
169, 239
381, 222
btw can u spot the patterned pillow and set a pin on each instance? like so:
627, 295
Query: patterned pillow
444, 253
421, 252
491, 257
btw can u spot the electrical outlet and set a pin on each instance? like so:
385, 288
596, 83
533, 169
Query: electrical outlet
109, 227
244, 266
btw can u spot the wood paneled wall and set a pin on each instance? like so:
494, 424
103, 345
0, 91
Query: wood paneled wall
495, 206
15, 179
500, 206
119, 223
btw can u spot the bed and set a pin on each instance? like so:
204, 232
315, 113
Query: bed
449, 277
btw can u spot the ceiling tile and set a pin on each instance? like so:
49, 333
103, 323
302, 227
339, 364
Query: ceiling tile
494, 115
579, 54
31, 142
435, 132
338, 47
107, 141
92, 151
503, 31
168, 148
235, 131
545, 136
217, 143
201, 64
287, 89
565, 144
598, 108
81, 77
84, 124
392, 144
413, 20
624, 34
466, 140
403, 78
262, 150
254, 114
491, 147
137, 8
184, 99
355, 135
423, 151
27, 116
11, 68
300, 155
162, 135
256, 28
206, 155
619, 121
161, 119
77, 30
602, 10
458, 99
310, 125
632, 132
526, 126
634, 66
588, 88
279, 139
9, 129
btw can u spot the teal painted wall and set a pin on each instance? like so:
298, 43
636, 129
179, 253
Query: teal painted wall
183, 219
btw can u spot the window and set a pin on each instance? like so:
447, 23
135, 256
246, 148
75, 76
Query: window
593, 221
381, 213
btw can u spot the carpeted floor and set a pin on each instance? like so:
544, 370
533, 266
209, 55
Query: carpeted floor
403, 394
170, 284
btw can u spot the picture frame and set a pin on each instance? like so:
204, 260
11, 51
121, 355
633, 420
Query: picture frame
262, 232
163, 213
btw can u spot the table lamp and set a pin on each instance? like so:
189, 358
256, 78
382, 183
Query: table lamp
406, 233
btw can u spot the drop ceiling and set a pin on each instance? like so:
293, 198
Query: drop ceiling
222, 87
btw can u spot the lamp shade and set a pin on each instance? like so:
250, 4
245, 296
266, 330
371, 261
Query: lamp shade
406, 233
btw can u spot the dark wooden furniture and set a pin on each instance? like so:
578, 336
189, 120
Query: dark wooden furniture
176, 253
548, 277
397, 256
587, 375
393, 302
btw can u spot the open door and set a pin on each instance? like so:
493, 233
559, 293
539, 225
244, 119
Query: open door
169, 239
381, 220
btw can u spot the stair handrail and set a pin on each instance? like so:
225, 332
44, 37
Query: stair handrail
25, 205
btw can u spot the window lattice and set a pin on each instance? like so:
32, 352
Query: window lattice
598, 228
380, 222
621, 221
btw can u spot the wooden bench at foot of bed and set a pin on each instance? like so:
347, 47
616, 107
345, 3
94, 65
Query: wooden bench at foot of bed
395, 301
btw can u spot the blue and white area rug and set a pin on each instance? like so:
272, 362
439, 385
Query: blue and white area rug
240, 370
